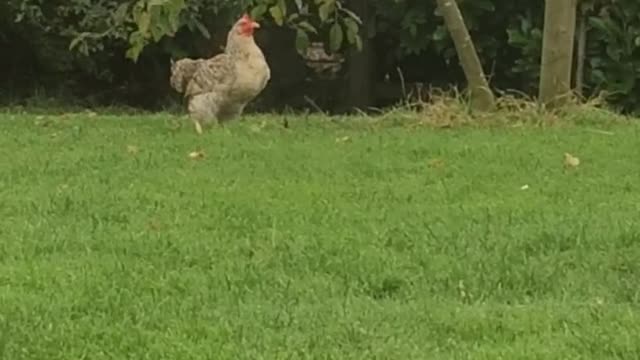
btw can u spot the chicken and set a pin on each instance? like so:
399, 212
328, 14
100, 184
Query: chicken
219, 88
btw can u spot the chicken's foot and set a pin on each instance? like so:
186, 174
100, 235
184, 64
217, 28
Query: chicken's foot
198, 127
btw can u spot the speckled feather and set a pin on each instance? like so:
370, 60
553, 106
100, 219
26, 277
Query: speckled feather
219, 88
182, 72
212, 75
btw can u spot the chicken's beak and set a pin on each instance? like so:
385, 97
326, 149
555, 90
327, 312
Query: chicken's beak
255, 25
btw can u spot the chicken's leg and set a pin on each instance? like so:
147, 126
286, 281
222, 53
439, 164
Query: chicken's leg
198, 126
199, 111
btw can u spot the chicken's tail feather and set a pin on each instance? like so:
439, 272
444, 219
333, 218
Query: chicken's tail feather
182, 72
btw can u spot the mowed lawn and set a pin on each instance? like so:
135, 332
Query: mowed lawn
326, 240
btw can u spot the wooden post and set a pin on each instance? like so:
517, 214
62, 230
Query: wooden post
557, 52
581, 51
481, 96
361, 63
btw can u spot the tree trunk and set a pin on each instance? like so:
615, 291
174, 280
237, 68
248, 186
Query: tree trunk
557, 52
361, 83
481, 96
581, 52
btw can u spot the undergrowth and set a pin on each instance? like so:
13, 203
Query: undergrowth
450, 109
437, 109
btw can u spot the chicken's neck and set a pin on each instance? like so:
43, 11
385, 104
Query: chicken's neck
250, 66
242, 47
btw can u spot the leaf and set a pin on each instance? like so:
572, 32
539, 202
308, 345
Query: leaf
43, 121
351, 25
353, 37
436, 163
157, 33
160, 24
601, 24
571, 161
153, 3
302, 40
120, 15
305, 25
172, 16
174, 7
76, 41
258, 127
196, 155
143, 22
132, 149
137, 43
203, 30
358, 43
336, 36
352, 15
276, 14
325, 10
352, 30
282, 4
440, 33
134, 51
258, 11
484, 5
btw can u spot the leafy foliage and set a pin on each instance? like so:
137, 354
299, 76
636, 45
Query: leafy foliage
409, 35
614, 55
330, 16
90, 24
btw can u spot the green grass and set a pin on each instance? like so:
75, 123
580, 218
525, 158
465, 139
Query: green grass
400, 243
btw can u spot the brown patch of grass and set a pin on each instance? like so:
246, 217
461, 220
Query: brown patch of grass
449, 109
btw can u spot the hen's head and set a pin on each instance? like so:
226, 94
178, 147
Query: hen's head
245, 26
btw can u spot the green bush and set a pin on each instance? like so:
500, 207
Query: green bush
113, 48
